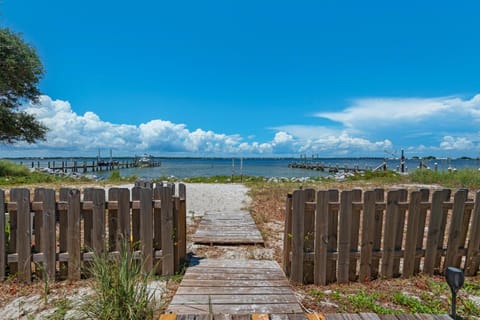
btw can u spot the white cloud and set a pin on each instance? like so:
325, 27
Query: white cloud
459, 143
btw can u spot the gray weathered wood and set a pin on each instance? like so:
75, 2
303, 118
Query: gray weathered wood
412, 233
355, 230
309, 231
136, 218
63, 229
465, 227
435, 234
298, 235
472, 262
146, 228
390, 233
73, 238
344, 236
403, 195
425, 193
97, 214
3, 248
48, 234
119, 218
287, 236
321, 238
22, 198
377, 231
455, 233
168, 258
332, 235
368, 229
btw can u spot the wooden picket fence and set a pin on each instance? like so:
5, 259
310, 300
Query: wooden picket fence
333, 236
54, 234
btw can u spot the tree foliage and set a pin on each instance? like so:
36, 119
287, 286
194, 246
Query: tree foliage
20, 72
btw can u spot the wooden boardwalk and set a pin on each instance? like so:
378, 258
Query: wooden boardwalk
227, 228
222, 286
308, 316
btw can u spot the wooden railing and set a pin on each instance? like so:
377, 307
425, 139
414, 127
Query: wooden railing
53, 234
353, 235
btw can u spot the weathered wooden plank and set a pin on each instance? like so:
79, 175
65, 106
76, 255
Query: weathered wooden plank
344, 237
377, 231
412, 234
287, 236
227, 263
321, 238
435, 234
455, 233
235, 283
237, 271
472, 262
48, 235
181, 232
167, 222
390, 233
332, 235
309, 231
369, 316
355, 230
464, 232
298, 235
73, 238
425, 193
63, 228
146, 228
22, 198
233, 299
136, 218
368, 229
184, 290
119, 218
315, 316
3, 248
236, 308
97, 197
233, 276
403, 195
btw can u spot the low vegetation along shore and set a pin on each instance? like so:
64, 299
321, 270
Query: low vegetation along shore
420, 294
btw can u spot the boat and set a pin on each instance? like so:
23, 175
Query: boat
145, 161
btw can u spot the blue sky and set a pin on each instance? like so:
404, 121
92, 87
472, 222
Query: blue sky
260, 78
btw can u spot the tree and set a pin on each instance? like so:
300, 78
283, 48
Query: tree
20, 72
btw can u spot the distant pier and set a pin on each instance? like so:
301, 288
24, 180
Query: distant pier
317, 166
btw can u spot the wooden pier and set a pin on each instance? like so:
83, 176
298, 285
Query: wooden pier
88, 166
318, 166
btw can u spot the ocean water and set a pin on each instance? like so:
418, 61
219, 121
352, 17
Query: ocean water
194, 167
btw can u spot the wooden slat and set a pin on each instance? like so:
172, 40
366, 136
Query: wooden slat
403, 194
287, 236
455, 233
48, 235
63, 229
390, 233
344, 237
309, 231
136, 217
368, 229
22, 198
167, 222
298, 235
321, 238
465, 226
355, 230
412, 234
97, 197
377, 230
73, 238
3, 248
425, 193
332, 235
146, 228
435, 234
473, 260
181, 229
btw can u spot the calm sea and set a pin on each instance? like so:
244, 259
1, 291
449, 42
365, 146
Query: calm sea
188, 167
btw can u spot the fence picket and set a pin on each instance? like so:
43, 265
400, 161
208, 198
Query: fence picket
355, 230
425, 193
48, 232
181, 227
287, 236
344, 236
309, 230
368, 229
390, 233
377, 232
403, 195
455, 233
97, 196
321, 239
146, 228
22, 198
73, 239
119, 218
473, 254
298, 235
168, 254
412, 234
332, 235
136, 217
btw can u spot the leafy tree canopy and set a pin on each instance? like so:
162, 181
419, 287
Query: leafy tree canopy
20, 72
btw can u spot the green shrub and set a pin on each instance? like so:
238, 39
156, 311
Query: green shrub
120, 288
12, 169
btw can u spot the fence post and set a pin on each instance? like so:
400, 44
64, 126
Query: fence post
157, 224
344, 236
473, 259
321, 238
146, 227
435, 230
73, 240
181, 226
167, 231
48, 232
298, 235
287, 236
3, 248
455, 233
24, 236
368, 233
